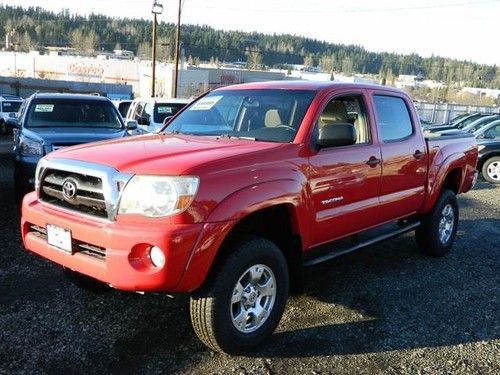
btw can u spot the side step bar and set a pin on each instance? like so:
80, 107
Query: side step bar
333, 254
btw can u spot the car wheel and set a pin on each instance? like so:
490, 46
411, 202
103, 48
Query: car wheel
242, 304
491, 170
438, 229
86, 283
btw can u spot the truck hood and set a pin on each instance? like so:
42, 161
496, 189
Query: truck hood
163, 154
71, 136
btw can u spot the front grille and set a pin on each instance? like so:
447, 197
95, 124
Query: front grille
86, 193
77, 246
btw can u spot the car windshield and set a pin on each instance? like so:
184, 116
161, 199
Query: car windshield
73, 113
163, 110
264, 115
11, 106
478, 124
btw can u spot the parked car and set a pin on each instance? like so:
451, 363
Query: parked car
49, 122
122, 105
150, 113
488, 140
9, 105
459, 123
244, 187
473, 126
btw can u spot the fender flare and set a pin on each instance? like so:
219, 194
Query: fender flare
438, 174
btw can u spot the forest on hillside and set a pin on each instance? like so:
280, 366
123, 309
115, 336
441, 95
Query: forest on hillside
37, 28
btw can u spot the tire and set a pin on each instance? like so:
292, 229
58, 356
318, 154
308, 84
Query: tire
436, 234
86, 283
224, 311
491, 170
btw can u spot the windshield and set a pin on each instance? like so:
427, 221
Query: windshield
163, 110
478, 124
264, 115
11, 106
73, 113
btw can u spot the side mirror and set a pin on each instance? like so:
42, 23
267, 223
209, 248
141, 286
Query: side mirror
167, 120
143, 121
131, 125
12, 123
335, 135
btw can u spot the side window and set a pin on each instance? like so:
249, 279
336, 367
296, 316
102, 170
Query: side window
393, 118
348, 109
148, 111
494, 132
138, 110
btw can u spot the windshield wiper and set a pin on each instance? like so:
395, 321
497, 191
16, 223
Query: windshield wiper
229, 136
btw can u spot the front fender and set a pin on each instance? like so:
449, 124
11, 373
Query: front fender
234, 208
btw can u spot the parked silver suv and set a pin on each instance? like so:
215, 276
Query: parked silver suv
150, 113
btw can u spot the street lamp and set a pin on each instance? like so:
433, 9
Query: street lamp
157, 9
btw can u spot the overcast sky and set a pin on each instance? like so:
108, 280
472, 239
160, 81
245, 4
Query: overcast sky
462, 29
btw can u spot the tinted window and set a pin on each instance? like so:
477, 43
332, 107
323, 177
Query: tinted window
10, 106
265, 115
123, 108
163, 110
393, 118
72, 113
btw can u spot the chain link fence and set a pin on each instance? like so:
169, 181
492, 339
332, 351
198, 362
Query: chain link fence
444, 112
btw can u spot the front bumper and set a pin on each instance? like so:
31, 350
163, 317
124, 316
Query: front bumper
126, 263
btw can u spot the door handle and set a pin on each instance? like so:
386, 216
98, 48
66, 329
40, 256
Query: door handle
418, 155
373, 161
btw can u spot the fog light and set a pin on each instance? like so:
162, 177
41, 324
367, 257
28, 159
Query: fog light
157, 256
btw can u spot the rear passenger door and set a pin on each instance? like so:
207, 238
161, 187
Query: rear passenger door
404, 156
345, 181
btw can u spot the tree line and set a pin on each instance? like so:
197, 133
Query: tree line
37, 28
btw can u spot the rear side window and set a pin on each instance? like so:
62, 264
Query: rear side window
393, 118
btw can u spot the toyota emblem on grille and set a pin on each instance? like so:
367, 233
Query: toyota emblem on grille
69, 189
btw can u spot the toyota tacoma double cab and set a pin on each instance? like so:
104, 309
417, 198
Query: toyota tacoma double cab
242, 189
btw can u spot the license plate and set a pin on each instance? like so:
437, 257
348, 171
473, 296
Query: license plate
59, 237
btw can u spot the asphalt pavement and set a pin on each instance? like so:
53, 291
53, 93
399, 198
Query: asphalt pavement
384, 310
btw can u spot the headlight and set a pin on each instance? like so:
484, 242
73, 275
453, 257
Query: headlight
29, 147
157, 196
40, 166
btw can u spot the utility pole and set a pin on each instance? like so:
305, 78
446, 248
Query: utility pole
157, 9
177, 47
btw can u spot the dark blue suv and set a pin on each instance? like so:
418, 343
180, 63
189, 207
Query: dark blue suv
47, 122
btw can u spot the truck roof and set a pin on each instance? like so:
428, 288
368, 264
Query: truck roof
49, 95
305, 85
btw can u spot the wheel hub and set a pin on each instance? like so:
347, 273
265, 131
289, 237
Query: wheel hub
494, 170
253, 298
446, 223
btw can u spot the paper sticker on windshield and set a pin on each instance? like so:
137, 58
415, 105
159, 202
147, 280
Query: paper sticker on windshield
165, 110
205, 103
44, 107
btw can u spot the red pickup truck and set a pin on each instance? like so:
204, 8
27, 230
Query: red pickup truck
242, 189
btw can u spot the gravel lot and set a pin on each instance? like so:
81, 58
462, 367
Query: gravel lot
386, 309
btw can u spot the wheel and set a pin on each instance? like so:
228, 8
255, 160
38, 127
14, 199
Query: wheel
438, 228
243, 302
491, 170
86, 283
